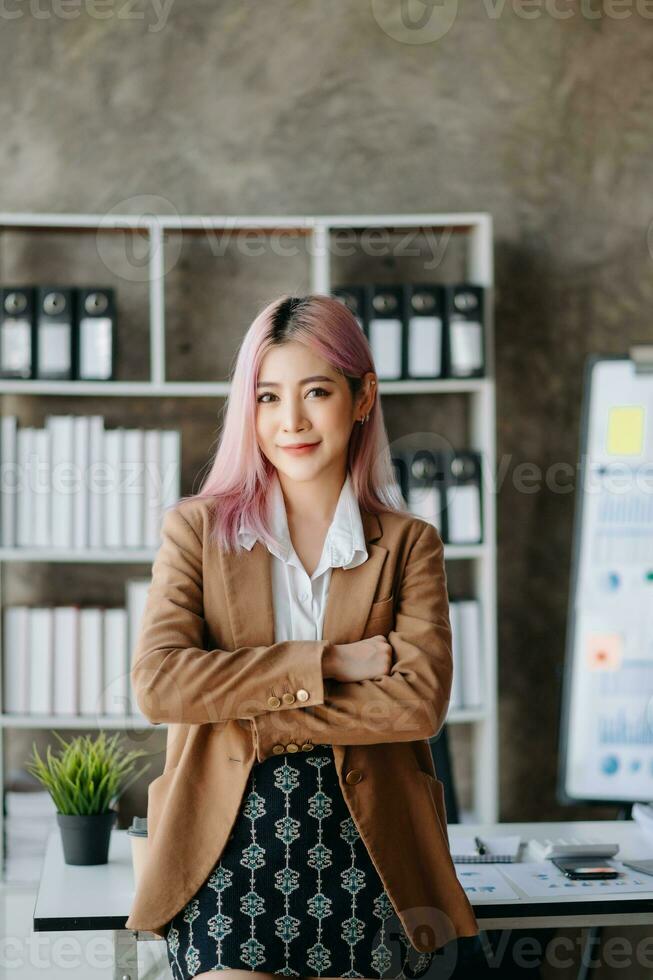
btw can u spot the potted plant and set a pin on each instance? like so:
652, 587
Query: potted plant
84, 779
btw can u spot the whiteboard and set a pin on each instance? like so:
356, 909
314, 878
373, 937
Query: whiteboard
606, 729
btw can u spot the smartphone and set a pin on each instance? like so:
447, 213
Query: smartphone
585, 869
644, 867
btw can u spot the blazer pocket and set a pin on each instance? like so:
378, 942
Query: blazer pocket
381, 617
157, 792
436, 787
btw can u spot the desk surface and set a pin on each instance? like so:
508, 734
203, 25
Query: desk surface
94, 896
72, 897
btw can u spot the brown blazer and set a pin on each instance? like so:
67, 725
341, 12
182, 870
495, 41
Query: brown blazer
206, 664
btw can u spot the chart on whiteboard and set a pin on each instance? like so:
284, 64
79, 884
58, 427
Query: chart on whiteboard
608, 716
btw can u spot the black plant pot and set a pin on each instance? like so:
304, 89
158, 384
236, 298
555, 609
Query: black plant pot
85, 837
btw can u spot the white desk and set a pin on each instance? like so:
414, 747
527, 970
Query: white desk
630, 908
91, 897
99, 896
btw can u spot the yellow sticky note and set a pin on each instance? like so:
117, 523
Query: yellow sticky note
625, 430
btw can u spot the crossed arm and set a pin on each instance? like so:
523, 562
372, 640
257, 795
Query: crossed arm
176, 680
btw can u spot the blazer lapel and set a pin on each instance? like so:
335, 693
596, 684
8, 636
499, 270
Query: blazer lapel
247, 577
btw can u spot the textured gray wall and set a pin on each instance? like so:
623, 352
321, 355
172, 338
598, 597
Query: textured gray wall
541, 114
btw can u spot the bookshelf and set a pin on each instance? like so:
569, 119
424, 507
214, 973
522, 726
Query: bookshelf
473, 231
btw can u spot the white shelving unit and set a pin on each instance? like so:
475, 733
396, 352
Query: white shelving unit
477, 231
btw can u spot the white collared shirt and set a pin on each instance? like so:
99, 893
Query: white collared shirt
299, 600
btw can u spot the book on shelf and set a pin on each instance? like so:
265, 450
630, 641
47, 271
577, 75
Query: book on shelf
74, 485
71, 661
467, 650
66, 652
30, 818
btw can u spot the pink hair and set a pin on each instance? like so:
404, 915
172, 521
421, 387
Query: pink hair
240, 473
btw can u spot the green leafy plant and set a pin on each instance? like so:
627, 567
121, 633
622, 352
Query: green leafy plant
86, 776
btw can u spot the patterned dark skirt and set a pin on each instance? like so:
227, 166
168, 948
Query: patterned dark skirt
294, 891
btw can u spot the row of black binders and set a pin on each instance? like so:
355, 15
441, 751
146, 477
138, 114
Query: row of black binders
421, 330
58, 333
444, 488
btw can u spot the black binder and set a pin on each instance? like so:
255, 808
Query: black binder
17, 332
54, 333
384, 324
95, 353
400, 467
424, 316
426, 488
463, 508
464, 331
353, 297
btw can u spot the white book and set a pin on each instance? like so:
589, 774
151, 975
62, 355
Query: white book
61, 428
39, 476
116, 662
152, 489
15, 660
457, 682
469, 615
133, 487
91, 681
41, 659
113, 498
25, 449
11, 479
170, 453
81, 435
26, 804
137, 590
66, 660
96, 481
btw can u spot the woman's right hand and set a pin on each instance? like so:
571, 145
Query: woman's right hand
359, 661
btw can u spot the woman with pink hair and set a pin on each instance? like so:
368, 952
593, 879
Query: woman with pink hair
303, 459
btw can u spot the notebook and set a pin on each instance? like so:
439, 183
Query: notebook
502, 849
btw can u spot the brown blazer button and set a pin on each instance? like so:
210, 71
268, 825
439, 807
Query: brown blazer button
307, 747
302, 695
288, 697
278, 749
292, 747
273, 701
354, 776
